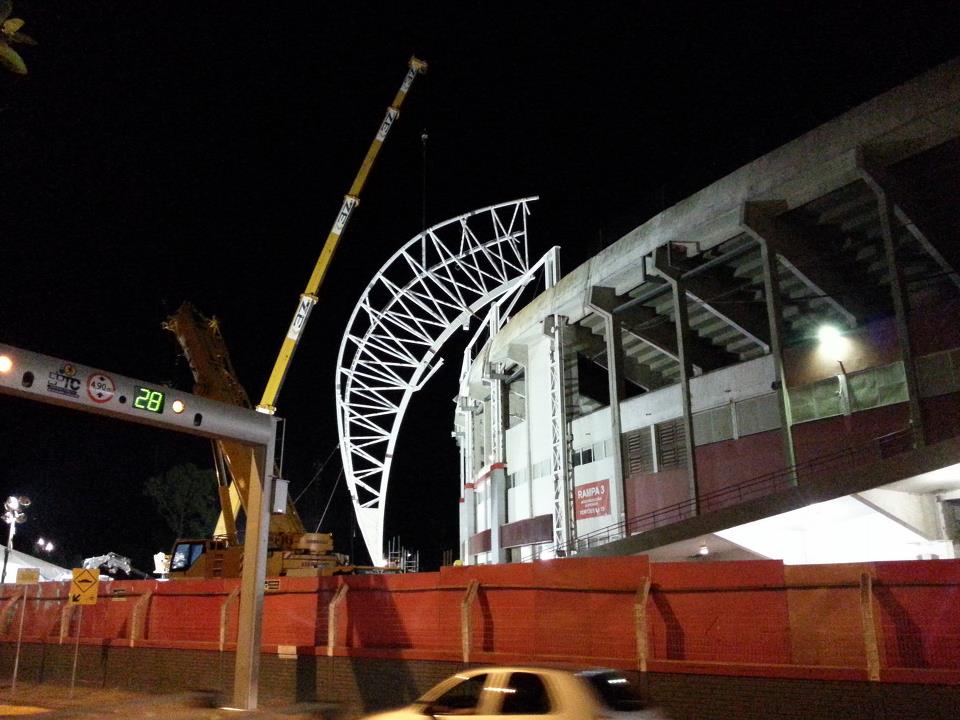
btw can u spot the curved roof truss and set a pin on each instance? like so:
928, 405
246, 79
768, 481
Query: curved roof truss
428, 289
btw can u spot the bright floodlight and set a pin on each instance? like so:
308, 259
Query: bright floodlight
5, 363
827, 333
832, 342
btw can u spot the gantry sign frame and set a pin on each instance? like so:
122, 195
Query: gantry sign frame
60, 382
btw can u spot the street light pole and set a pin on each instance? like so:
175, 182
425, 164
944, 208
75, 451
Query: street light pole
12, 516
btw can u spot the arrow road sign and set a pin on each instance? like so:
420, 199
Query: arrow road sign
84, 587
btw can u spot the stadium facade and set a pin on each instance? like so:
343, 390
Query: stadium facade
769, 368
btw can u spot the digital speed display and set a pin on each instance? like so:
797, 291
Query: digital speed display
148, 399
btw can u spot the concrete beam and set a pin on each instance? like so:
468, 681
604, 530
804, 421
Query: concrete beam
716, 290
803, 250
915, 512
909, 212
644, 323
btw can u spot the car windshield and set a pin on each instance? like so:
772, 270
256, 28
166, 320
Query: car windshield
615, 690
455, 694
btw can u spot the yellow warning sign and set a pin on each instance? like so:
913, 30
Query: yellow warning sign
28, 576
83, 589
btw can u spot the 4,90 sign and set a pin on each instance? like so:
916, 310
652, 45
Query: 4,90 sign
149, 400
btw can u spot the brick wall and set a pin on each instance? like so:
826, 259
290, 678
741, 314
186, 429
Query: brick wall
352, 686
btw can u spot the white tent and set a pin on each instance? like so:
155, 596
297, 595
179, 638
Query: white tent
15, 560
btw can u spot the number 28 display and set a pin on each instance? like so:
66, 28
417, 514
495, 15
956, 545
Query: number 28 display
148, 399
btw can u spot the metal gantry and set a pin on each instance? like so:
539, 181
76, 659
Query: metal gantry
428, 289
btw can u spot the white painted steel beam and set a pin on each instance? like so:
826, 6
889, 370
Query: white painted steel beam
429, 288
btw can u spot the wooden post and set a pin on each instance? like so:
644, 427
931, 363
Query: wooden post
10, 609
640, 623
466, 619
76, 652
16, 662
869, 628
335, 603
66, 615
225, 614
138, 621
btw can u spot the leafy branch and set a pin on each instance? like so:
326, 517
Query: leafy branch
10, 33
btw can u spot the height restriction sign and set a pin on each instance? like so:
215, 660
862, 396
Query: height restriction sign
83, 589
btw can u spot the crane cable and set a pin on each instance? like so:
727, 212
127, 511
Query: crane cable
317, 474
329, 500
424, 136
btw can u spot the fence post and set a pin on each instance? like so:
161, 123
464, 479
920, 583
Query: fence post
869, 628
332, 608
9, 610
66, 615
466, 618
224, 614
138, 621
640, 623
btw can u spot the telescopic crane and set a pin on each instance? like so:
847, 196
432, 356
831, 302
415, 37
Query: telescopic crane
292, 550
308, 298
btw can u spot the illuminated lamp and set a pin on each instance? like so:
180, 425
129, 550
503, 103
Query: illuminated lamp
45, 545
6, 364
178, 406
832, 343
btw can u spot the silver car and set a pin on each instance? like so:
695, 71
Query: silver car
529, 692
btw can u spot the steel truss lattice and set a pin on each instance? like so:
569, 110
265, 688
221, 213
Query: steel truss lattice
427, 290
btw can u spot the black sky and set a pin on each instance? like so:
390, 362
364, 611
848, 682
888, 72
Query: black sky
161, 152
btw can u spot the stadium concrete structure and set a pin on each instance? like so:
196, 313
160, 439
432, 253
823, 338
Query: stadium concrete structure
769, 368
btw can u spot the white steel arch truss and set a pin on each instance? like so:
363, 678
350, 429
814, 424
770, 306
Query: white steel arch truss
430, 287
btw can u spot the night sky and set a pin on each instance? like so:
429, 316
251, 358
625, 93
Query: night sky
162, 152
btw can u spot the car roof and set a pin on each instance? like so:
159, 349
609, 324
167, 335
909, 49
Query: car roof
590, 672
586, 673
571, 669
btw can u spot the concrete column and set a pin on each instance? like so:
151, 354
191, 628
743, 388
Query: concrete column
467, 516
498, 510
673, 275
771, 287
603, 301
750, 221
888, 222
521, 354
493, 377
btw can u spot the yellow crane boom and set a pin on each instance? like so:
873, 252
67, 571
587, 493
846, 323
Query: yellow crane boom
308, 298
293, 551
206, 352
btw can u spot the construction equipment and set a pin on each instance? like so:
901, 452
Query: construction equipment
111, 562
308, 298
291, 550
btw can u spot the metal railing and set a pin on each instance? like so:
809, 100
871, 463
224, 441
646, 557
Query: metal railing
863, 455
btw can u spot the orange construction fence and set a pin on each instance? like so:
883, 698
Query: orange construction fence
887, 621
